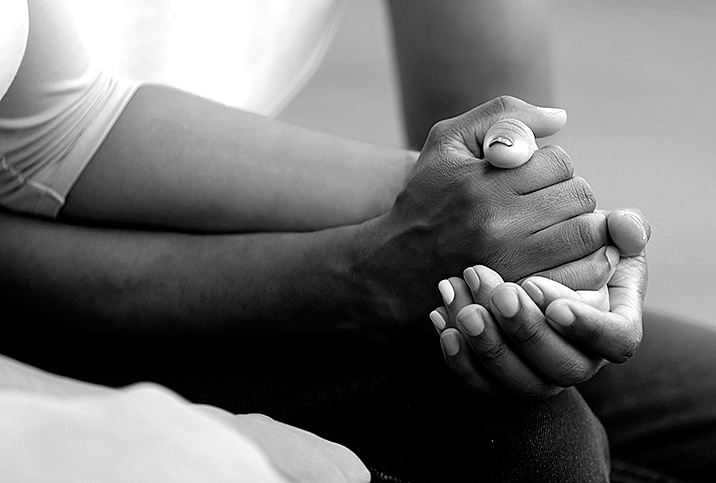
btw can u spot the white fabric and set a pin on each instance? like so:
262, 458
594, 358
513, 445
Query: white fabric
250, 54
141, 434
13, 39
57, 105
56, 112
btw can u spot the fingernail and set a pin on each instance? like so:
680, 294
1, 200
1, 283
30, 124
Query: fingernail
446, 291
438, 321
506, 301
612, 255
553, 111
533, 291
640, 223
471, 278
471, 321
501, 140
560, 314
450, 343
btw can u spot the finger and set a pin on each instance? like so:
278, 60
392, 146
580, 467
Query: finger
509, 143
614, 335
439, 318
627, 287
482, 281
599, 299
561, 202
588, 273
470, 128
544, 291
488, 343
551, 355
570, 240
547, 167
456, 294
461, 363
629, 230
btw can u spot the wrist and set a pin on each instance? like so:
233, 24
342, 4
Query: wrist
390, 288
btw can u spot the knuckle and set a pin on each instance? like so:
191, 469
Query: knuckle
495, 230
494, 353
527, 333
584, 194
557, 161
499, 107
584, 234
440, 130
588, 234
506, 103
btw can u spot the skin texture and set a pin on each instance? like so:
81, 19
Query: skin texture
177, 161
371, 280
136, 251
534, 339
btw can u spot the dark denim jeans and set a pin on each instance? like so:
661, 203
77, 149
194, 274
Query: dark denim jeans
400, 410
659, 408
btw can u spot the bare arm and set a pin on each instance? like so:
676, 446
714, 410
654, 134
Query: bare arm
373, 280
174, 160
109, 281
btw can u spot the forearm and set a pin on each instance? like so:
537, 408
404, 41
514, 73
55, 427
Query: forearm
179, 161
79, 283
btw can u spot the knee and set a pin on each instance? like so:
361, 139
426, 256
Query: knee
562, 440
555, 440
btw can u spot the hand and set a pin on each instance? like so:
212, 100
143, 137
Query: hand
616, 334
458, 210
518, 350
300, 456
506, 345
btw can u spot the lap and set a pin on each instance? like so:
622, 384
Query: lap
400, 410
659, 408
397, 408
408, 419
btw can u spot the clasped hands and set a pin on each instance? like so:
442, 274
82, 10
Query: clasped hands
535, 336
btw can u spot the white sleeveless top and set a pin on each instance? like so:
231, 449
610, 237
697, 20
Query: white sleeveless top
13, 40
58, 102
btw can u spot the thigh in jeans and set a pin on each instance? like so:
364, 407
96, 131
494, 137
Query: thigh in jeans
659, 408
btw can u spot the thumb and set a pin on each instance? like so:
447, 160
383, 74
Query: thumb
474, 124
509, 143
629, 230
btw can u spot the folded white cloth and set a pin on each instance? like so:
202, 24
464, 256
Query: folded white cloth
143, 433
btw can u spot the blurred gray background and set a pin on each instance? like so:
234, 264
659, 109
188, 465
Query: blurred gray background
638, 79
